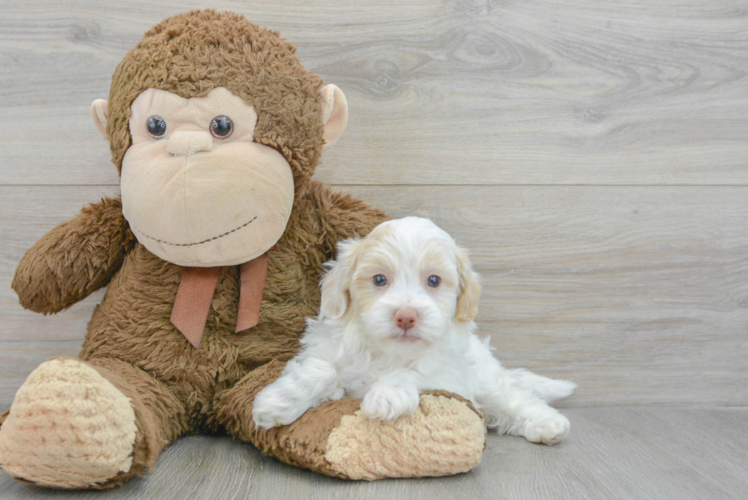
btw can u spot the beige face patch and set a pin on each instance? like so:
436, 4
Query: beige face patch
195, 199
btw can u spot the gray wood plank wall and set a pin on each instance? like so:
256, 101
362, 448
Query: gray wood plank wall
592, 155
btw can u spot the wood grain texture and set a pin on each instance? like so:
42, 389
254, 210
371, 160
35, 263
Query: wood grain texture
637, 294
441, 91
611, 453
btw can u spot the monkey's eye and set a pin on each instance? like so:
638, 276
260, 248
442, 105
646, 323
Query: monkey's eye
221, 127
380, 280
434, 281
156, 126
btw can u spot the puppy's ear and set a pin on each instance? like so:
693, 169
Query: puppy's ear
336, 284
467, 301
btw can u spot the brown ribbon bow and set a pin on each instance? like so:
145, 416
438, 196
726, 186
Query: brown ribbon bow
196, 290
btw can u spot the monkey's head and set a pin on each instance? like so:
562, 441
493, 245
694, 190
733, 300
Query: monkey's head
216, 128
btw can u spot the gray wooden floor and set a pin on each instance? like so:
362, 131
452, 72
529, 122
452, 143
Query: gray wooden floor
625, 453
592, 155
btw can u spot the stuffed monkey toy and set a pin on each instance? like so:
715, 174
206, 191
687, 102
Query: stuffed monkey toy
212, 259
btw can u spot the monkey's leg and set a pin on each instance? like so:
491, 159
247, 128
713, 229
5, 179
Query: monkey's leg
444, 436
87, 424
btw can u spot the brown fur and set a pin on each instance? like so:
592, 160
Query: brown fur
176, 389
74, 259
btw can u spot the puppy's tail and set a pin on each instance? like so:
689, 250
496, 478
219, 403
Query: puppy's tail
545, 388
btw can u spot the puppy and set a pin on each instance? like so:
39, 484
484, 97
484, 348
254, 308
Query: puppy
397, 319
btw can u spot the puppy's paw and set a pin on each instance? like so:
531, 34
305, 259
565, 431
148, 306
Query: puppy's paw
548, 430
272, 407
388, 402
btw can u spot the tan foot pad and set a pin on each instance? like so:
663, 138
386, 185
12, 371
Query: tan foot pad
68, 427
443, 437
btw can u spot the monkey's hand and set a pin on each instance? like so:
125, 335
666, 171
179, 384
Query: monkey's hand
74, 259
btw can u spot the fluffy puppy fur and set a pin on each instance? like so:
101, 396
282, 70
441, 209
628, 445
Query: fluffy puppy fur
397, 319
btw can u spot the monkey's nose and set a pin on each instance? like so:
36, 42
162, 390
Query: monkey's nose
406, 317
187, 143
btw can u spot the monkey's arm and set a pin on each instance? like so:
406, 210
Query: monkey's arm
445, 435
342, 216
74, 259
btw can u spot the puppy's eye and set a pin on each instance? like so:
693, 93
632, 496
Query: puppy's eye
156, 126
434, 281
221, 127
380, 280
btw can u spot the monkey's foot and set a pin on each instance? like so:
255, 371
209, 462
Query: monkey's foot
68, 427
444, 436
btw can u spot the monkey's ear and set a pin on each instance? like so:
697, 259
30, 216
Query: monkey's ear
334, 113
99, 114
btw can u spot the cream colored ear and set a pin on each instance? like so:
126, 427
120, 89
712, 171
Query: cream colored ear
336, 284
99, 114
334, 113
467, 302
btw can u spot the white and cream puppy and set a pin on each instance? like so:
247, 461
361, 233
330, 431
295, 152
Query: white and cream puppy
396, 320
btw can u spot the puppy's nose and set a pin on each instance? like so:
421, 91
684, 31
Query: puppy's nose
406, 317
187, 143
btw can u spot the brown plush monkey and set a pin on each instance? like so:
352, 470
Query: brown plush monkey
216, 129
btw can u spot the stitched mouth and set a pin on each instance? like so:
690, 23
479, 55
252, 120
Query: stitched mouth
199, 242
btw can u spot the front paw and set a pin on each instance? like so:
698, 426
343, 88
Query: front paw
548, 430
273, 407
386, 402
